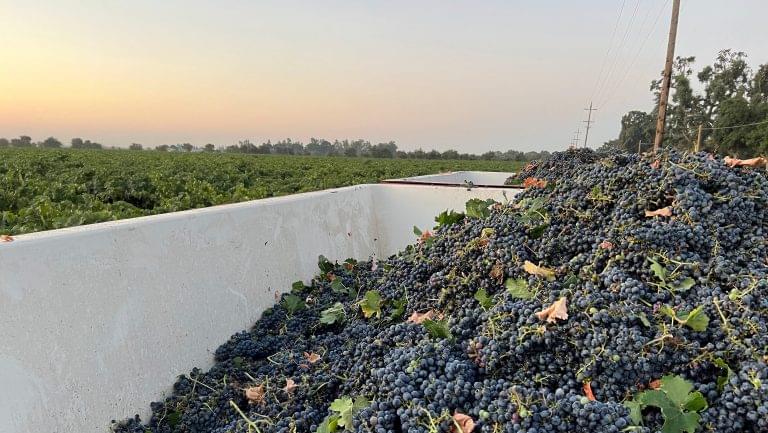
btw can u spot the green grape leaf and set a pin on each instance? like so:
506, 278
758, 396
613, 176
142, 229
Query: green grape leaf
346, 408
537, 231
518, 288
297, 286
477, 208
695, 402
684, 285
437, 328
292, 303
417, 231
635, 413
329, 425
644, 319
447, 217
696, 319
482, 297
371, 304
398, 308
659, 271
334, 314
324, 264
676, 388
728, 372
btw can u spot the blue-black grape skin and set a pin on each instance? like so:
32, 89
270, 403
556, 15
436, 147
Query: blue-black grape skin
504, 367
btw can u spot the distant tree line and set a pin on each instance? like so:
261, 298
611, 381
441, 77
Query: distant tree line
731, 108
315, 147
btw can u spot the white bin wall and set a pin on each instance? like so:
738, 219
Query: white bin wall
97, 321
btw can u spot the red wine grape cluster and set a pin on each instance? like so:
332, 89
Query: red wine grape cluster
555, 312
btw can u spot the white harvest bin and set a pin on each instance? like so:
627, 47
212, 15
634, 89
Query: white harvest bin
99, 320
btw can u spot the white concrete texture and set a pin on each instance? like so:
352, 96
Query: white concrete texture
99, 320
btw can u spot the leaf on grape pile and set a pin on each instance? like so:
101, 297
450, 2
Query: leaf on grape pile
419, 318
477, 208
655, 164
292, 303
311, 357
338, 287
497, 272
333, 314
398, 308
659, 271
539, 271
518, 288
297, 287
462, 423
290, 385
537, 231
696, 319
644, 319
606, 245
654, 384
752, 162
482, 297
324, 264
447, 217
665, 211
255, 394
678, 405
727, 373
329, 425
371, 304
437, 328
346, 408
6, 238
532, 182
588, 391
556, 311
684, 285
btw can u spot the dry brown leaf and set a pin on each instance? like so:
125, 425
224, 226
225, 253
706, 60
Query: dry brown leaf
425, 236
606, 245
752, 162
497, 273
311, 357
255, 394
277, 296
530, 166
290, 385
330, 276
348, 266
665, 211
419, 318
588, 391
532, 182
465, 423
556, 311
6, 238
655, 384
655, 164
538, 270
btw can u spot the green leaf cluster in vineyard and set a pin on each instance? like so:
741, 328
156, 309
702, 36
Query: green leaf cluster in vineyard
48, 189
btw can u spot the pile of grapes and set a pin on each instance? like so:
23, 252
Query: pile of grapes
616, 293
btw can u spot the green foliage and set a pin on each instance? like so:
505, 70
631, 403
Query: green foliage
662, 275
324, 264
333, 314
292, 303
338, 287
437, 329
43, 189
398, 308
695, 319
518, 288
727, 372
477, 208
447, 217
345, 409
297, 287
371, 304
678, 405
482, 297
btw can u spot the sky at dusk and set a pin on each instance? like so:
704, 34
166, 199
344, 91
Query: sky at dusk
467, 75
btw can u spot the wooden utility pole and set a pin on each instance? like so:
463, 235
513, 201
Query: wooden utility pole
698, 139
589, 121
576, 138
661, 120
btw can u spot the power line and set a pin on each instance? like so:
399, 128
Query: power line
610, 46
735, 126
610, 94
621, 44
